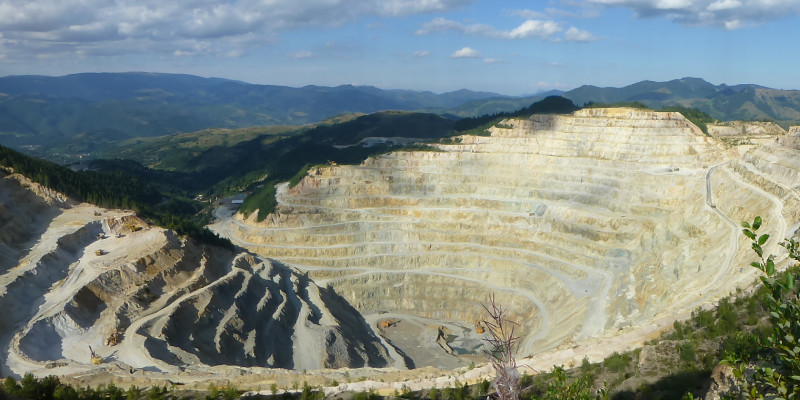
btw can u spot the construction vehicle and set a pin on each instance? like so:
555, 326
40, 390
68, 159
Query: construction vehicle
96, 360
99, 252
441, 340
479, 327
133, 228
388, 323
113, 339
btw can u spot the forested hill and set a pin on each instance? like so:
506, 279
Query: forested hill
71, 117
114, 190
39, 112
746, 102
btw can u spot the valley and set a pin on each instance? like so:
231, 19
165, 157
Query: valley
596, 230
583, 225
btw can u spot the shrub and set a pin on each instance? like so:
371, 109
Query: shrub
687, 352
617, 362
782, 378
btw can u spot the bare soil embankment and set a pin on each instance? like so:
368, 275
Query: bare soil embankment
78, 276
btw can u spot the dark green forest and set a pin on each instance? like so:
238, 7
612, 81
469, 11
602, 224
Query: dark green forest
116, 189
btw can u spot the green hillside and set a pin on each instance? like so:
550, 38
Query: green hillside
63, 118
722, 102
116, 189
212, 162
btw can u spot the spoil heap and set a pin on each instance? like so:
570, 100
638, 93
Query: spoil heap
74, 276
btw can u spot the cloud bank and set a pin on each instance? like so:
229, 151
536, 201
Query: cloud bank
530, 29
729, 14
104, 27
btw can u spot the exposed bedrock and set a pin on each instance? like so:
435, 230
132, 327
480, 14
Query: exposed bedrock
581, 224
143, 297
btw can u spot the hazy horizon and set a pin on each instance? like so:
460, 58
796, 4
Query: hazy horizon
533, 93
511, 48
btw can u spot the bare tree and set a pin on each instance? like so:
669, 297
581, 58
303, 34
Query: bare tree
503, 349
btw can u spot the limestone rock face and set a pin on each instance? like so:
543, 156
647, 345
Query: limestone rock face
581, 225
749, 128
74, 275
723, 384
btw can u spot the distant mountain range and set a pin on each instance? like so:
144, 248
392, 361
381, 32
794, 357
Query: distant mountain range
44, 113
723, 102
105, 107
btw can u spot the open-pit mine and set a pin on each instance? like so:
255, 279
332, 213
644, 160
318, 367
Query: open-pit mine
594, 230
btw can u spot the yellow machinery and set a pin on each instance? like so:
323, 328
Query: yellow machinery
388, 323
96, 360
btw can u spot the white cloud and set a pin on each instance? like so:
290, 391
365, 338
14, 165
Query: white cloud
528, 29
420, 54
574, 34
73, 26
724, 5
235, 53
734, 24
730, 14
527, 14
584, 11
490, 60
442, 24
466, 52
408, 7
302, 54
533, 28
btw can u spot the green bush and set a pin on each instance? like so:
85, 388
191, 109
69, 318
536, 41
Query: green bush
299, 176
781, 377
617, 362
687, 352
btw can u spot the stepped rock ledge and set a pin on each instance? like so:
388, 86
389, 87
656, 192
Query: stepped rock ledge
594, 230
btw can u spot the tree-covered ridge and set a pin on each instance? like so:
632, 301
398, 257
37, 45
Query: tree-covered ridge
115, 190
549, 105
105, 189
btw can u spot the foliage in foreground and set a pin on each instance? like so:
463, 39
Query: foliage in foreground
51, 388
502, 351
776, 374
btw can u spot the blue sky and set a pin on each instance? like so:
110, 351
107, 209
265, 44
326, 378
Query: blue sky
505, 46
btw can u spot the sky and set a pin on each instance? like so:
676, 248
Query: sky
503, 46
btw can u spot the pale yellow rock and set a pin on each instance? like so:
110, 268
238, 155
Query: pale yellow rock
580, 224
595, 230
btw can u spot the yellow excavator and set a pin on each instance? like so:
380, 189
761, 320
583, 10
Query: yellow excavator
479, 327
133, 228
96, 360
388, 323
